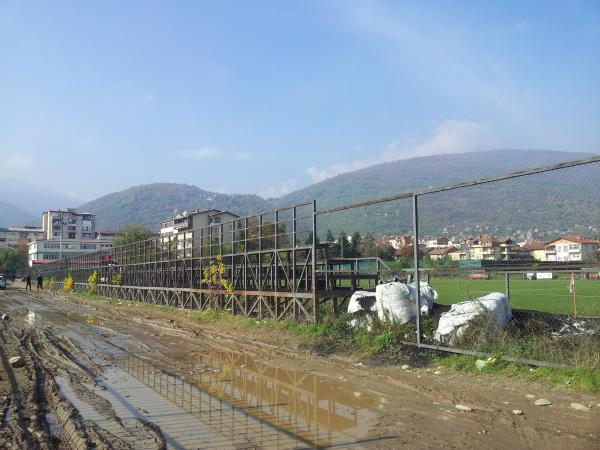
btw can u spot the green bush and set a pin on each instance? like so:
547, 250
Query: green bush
117, 279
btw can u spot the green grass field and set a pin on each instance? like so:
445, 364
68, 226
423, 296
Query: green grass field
540, 295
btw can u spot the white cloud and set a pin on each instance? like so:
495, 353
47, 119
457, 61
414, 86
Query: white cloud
15, 161
450, 136
149, 98
322, 174
213, 153
278, 190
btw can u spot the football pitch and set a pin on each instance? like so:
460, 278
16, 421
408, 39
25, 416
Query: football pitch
552, 296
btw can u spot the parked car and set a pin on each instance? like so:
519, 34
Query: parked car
2, 282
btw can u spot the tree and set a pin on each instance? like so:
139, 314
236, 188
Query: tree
132, 233
333, 245
309, 239
354, 245
371, 247
12, 260
368, 246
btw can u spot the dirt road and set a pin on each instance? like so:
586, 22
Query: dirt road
101, 375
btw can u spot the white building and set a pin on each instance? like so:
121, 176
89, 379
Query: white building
572, 248
54, 249
68, 224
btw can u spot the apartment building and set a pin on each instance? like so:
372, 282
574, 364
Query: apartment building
185, 229
68, 224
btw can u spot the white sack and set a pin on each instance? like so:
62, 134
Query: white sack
428, 296
396, 301
354, 306
454, 322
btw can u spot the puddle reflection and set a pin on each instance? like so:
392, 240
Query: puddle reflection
309, 409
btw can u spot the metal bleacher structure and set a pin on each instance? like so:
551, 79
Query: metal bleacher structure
273, 261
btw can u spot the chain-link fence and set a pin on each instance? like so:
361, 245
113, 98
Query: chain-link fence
506, 265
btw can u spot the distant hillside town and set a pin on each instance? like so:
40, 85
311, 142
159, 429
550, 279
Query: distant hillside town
561, 249
66, 233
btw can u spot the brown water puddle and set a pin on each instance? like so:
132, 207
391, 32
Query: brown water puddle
313, 410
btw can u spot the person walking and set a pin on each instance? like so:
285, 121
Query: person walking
40, 281
28, 280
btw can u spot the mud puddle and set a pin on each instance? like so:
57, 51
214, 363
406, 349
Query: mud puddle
207, 399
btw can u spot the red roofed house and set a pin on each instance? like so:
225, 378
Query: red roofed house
537, 249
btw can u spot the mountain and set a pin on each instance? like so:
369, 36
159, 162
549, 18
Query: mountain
150, 203
11, 215
419, 173
565, 201
34, 199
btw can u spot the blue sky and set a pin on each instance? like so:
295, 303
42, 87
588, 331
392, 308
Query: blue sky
267, 97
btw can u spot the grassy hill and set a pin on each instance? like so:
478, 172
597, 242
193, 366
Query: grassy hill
551, 203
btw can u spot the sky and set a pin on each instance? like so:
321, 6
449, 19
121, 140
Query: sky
266, 97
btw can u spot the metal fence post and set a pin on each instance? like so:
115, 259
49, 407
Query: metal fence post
507, 284
416, 257
314, 263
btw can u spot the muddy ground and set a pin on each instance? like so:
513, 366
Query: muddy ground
102, 375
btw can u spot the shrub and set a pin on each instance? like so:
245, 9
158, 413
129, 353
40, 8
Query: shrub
68, 284
117, 279
93, 282
49, 283
214, 276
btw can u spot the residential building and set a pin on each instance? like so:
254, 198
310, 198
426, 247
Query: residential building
458, 253
399, 242
537, 249
19, 236
186, 229
442, 253
68, 224
572, 248
492, 248
437, 242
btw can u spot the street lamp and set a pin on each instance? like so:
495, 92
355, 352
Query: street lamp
60, 222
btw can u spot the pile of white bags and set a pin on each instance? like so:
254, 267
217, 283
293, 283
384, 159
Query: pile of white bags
454, 322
